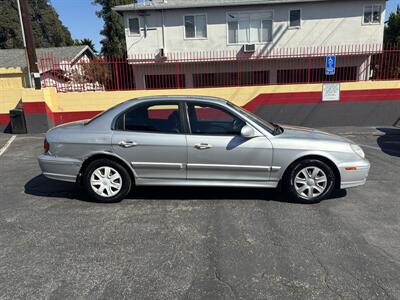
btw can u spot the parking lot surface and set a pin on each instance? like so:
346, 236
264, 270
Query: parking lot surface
199, 243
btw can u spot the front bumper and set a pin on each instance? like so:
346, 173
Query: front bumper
59, 168
354, 174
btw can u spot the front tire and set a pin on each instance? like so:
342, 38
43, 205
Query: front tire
309, 181
106, 181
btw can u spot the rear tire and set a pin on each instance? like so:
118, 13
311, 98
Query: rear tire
309, 181
106, 181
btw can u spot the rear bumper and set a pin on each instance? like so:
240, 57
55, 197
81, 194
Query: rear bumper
354, 174
58, 168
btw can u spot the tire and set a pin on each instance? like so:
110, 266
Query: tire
106, 181
309, 181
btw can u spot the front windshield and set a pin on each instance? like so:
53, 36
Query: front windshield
256, 119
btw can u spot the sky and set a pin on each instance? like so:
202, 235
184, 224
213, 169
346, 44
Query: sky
391, 6
80, 18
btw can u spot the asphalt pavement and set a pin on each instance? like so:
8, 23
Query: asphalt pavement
199, 243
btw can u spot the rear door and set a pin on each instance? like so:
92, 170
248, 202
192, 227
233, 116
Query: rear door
151, 137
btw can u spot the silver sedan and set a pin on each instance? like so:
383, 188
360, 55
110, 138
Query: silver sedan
198, 141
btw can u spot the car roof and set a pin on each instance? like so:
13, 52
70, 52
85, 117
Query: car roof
180, 98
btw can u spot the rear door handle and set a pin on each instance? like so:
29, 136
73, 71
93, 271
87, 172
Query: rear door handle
203, 146
127, 144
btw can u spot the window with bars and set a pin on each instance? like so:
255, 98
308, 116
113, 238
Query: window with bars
165, 81
315, 75
230, 79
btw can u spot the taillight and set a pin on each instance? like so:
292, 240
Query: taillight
46, 146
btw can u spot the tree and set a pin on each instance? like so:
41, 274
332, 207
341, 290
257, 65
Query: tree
85, 42
392, 29
114, 42
48, 30
10, 31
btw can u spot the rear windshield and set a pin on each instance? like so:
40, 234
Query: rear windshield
102, 113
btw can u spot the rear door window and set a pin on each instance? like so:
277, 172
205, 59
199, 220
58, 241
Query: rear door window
159, 118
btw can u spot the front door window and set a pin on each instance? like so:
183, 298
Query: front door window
208, 119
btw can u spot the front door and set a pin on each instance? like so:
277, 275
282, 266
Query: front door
217, 151
151, 138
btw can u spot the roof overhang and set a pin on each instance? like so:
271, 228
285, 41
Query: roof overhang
199, 4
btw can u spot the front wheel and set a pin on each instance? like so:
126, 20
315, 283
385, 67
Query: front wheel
106, 181
310, 181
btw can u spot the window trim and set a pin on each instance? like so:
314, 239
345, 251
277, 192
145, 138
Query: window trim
363, 15
130, 34
249, 12
181, 111
301, 18
184, 27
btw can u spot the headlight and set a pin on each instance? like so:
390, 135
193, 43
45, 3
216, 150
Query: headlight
357, 150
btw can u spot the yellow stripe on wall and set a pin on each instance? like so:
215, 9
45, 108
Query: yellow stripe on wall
99, 101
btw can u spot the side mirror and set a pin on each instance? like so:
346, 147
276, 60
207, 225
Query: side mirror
248, 132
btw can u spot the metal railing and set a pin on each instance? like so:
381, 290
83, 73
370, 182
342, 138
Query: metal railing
221, 68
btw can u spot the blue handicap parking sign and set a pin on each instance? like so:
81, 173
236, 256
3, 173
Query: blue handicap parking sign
330, 65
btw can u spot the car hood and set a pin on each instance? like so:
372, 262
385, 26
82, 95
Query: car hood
297, 132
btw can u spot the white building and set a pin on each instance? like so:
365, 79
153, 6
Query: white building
249, 27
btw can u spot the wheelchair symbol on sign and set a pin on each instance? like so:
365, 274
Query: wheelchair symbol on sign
330, 65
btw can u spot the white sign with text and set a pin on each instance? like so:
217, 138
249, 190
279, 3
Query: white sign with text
331, 92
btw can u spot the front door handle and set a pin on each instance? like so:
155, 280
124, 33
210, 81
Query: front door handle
128, 144
203, 146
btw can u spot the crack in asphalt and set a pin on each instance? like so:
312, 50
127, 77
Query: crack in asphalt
326, 275
374, 281
325, 270
219, 278
383, 289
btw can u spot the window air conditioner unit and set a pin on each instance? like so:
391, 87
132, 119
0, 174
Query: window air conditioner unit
249, 48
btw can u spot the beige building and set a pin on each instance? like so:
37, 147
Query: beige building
175, 28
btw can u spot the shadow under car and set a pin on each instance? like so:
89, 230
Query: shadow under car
44, 187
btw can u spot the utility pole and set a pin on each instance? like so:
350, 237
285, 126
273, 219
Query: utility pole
29, 44
24, 41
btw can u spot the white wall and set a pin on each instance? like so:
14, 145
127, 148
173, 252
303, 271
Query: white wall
324, 24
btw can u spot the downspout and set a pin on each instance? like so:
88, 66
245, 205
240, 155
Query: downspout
163, 29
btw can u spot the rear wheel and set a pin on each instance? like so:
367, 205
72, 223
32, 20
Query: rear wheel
310, 181
106, 181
